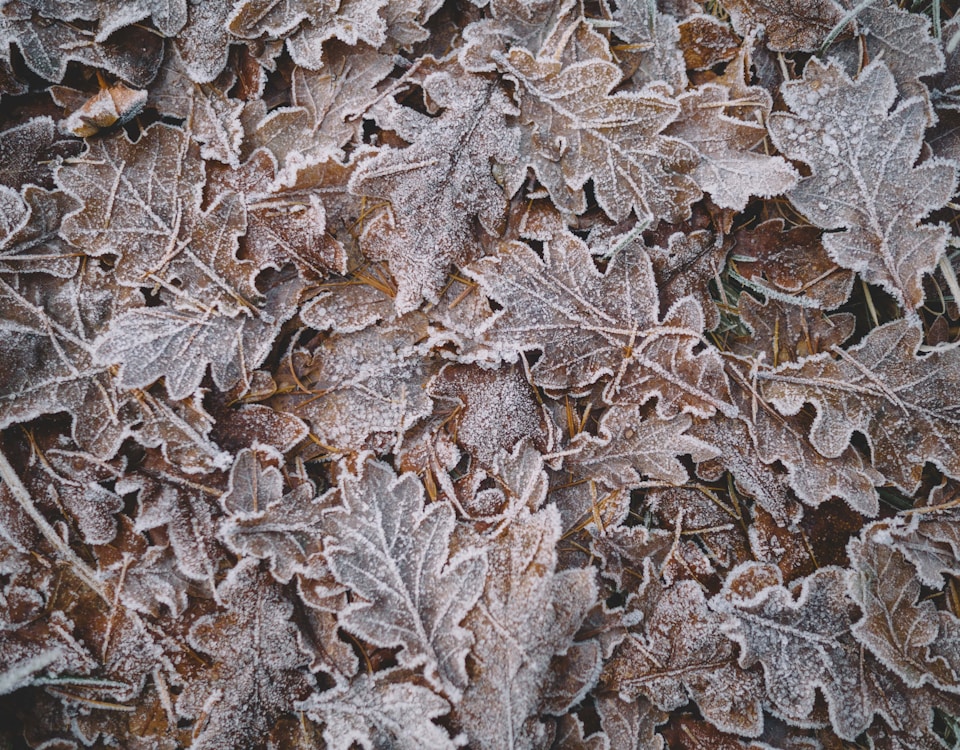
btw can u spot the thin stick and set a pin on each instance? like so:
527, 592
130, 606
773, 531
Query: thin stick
20, 494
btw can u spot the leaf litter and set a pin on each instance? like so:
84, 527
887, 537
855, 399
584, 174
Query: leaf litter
488, 375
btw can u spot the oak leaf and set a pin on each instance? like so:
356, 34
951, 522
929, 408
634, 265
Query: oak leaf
380, 710
902, 403
577, 130
448, 168
258, 673
589, 324
420, 592
803, 642
863, 179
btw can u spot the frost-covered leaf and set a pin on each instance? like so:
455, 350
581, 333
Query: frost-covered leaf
931, 542
29, 237
731, 167
286, 215
307, 24
528, 613
630, 725
652, 53
629, 446
184, 510
394, 554
362, 389
589, 324
793, 260
863, 179
902, 403
678, 653
902, 37
791, 25
782, 332
576, 130
141, 202
325, 107
900, 630
265, 522
46, 340
380, 711
203, 43
447, 168
133, 53
210, 116
493, 409
29, 151
707, 41
154, 342
512, 23
688, 266
803, 642
258, 673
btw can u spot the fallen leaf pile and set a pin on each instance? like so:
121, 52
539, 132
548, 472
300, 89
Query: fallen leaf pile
494, 374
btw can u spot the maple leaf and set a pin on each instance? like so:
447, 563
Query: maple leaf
590, 324
576, 130
419, 594
863, 179
901, 403
380, 710
447, 168
803, 643
258, 673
